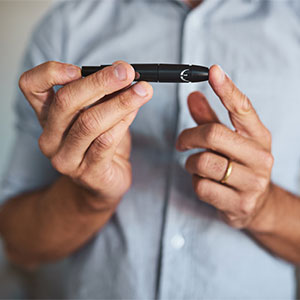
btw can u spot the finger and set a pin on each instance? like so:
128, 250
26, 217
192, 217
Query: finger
213, 166
104, 146
37, 84
100, 118
104, 153
200, 109
243, 116
124, 147
220, 196
219, 138
71, 99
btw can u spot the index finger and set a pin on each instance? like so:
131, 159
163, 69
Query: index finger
37, 83
242, 114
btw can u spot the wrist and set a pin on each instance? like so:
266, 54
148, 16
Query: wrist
264, 221
94, 202
88, 200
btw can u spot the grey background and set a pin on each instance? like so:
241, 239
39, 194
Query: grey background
17, 19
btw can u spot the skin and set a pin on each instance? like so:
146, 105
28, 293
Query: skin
193, 3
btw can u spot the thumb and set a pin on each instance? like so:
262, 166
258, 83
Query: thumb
200, 109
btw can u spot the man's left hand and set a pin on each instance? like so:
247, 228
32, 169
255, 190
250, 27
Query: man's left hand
242, 199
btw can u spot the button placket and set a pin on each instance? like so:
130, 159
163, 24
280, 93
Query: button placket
181, 213
176, 239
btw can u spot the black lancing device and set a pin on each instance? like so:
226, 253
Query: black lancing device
161, 72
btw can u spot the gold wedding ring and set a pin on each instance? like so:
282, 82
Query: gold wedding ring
228, 172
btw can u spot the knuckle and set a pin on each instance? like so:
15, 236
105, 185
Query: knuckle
41, 142
60, 164
204, 161
107, 175
189, 163
124, 101
244, 104
232, 90
88, 122
268, 136
248, 205
213, 133
261, 184
103, 174
231, 218
103, 142
234, 221
73, 137
236, 224
101, 78
182, 136
43, 145
51, 67
24, 82
62, 99
233, 93
268, 159
201, 188
268, 140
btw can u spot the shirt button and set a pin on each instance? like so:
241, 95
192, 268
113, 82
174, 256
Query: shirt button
177, 241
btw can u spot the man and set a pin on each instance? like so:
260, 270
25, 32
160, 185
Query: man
137, 218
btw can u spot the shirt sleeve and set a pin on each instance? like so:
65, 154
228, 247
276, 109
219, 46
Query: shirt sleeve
27, 168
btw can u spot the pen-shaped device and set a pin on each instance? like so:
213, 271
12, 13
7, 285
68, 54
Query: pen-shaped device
161, 72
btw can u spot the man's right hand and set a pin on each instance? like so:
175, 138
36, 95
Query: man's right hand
85, 124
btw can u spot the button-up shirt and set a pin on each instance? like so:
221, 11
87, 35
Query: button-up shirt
163, 242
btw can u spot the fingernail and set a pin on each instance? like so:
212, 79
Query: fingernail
140, 89
120, 72
221, 75
72, 72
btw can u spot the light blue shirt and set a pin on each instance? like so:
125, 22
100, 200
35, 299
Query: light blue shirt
162, 241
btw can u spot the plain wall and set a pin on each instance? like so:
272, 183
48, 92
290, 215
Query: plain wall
17, 19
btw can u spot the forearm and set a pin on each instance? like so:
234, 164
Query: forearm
277, 227
50, 224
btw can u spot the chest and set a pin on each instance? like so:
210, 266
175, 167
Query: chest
256, 42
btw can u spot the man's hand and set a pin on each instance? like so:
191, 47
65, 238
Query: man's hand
85, 124
242, 200
86, 137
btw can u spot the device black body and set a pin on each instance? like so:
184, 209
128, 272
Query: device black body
161, 72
